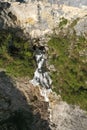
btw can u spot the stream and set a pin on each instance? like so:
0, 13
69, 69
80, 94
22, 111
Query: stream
41, 76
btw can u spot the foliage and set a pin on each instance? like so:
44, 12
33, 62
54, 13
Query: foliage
15, 55
63, 22
74, 22
69, 80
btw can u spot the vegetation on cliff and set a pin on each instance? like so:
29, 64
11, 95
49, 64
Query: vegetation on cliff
63, 22
69, 56
67, 52
16, 55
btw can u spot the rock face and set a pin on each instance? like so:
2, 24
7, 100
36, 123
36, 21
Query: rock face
43, 19
81, 27
77, 3
23, 107
68, 117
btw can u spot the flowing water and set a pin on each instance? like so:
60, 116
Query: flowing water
41, 76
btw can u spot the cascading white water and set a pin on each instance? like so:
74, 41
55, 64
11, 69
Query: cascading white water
41, 76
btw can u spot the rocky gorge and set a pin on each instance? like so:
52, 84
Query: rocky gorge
61, 30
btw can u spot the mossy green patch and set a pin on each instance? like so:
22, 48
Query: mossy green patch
69, 80
74, 22
16, 56
63, 22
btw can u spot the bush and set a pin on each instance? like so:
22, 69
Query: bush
63, 22
70, 78
16, 55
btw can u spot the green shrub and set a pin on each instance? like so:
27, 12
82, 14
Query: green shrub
74, 22
70, 78
16, 55
63, 22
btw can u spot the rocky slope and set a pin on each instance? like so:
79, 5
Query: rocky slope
23, 107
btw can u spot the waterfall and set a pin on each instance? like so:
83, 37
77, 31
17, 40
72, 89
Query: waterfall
41, 76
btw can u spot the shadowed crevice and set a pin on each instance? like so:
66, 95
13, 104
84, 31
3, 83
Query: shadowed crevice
15, 112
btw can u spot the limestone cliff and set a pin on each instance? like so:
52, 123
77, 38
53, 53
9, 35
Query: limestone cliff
36, 19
